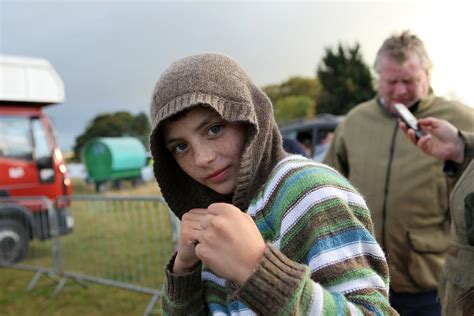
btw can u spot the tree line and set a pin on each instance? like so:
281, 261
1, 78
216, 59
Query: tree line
342, 80
116, 124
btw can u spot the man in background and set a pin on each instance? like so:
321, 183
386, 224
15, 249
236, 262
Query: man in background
456, 148
405, 189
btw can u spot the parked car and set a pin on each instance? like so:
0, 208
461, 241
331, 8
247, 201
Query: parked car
315, 135
31, 164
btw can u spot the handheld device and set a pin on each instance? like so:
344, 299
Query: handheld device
409, 119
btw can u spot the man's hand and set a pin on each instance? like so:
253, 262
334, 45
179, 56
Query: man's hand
441, 140
230, 243
186, 257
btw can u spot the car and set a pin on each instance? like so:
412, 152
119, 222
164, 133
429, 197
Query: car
315, 134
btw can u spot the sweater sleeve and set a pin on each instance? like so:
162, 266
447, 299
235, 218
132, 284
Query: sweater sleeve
280, 286
455, 170
183, 294
469, 149
325, 260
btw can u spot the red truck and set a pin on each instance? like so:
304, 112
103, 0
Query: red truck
32, 168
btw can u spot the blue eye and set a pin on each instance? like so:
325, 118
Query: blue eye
179, 148
215, 129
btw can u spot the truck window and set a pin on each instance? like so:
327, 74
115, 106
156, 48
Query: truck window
42, 147
15, 138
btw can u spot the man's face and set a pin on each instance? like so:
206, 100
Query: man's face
402, 82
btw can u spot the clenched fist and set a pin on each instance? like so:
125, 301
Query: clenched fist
186, 257
229, 242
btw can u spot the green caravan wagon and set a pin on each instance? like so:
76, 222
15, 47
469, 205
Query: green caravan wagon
114, 159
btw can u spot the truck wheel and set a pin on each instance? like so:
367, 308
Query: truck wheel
13, 241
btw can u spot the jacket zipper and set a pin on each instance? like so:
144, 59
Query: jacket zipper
387, 180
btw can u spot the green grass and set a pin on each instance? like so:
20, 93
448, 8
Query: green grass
121, 241
72, 300
145, 188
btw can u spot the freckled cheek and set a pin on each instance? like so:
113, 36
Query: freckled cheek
187, 166
231, 147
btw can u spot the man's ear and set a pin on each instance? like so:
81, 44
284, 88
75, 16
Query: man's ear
376, 81
428, 76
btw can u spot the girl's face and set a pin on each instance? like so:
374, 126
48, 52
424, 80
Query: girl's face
207, 147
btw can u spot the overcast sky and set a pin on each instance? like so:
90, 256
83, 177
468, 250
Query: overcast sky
110, 53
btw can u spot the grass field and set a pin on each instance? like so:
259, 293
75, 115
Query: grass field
95, 300
135, 265
147, 188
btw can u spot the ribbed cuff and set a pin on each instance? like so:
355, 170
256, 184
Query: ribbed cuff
180, 288
469, 146
274, 282
452, 169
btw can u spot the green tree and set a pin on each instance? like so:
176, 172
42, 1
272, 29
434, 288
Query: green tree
140, 128
293, 107
115, 125
345, 78
292, 96
309, 87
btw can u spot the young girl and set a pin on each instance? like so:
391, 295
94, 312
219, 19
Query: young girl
262, 231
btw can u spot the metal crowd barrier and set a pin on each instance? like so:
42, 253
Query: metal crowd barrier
115, 241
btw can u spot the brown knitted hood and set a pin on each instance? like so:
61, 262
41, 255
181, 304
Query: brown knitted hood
217, 81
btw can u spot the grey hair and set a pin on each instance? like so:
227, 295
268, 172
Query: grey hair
399, 47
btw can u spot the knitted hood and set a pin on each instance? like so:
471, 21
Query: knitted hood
216, 81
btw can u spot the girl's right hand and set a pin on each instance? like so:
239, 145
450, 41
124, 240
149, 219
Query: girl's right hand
186, 258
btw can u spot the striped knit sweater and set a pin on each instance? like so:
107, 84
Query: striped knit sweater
321, 256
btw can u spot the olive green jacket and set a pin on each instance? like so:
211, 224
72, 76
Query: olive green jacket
406, 190
458, 274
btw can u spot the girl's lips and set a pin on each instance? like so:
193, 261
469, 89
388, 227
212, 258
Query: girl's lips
218, 175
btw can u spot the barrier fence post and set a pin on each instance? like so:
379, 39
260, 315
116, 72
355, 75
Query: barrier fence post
121, 241
56, 247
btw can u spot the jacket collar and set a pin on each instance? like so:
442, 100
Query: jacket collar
417, 107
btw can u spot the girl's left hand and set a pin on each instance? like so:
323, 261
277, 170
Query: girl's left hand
230, 243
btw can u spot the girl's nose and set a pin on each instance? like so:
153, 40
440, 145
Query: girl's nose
204, 155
